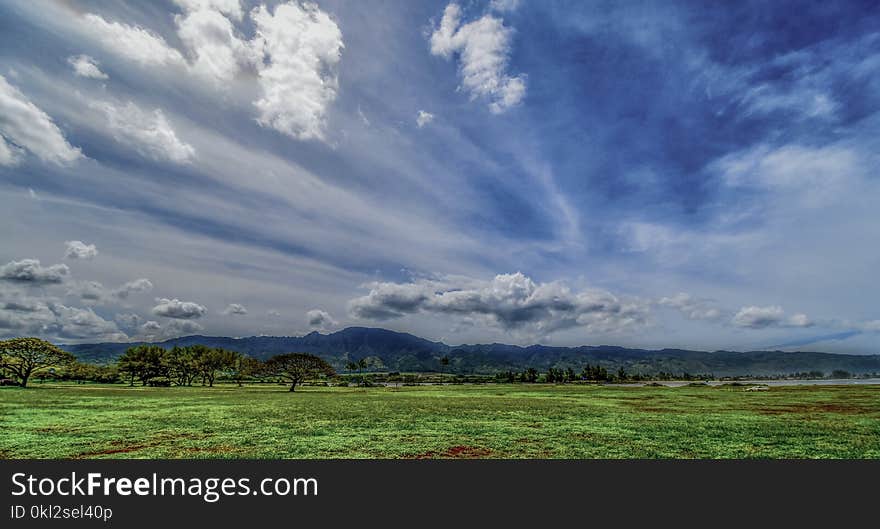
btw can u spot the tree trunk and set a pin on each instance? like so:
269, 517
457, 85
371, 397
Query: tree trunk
292, 387
24, 379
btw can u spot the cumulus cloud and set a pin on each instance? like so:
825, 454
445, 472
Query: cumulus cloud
176, 328
26, 128
94, 292
89, 291
300, 46
319, 319
693, 308
137, 286
148, 132
128, 321
56, 321
483, 47
273, 314
82, 323
85, 66
231, 8
150, 326
132, 42
423, 118
31, 271
767, 317
235, 309
154, 331
174, 308
216, 49
79, 250
510, 301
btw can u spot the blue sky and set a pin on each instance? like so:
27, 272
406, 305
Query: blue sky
667, 174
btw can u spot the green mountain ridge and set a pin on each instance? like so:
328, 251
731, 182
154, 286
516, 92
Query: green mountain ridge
393, 351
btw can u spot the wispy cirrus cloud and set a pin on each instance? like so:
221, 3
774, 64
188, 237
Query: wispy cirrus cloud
26, 128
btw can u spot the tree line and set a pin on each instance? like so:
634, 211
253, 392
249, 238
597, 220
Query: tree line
151, 365
182, 366
22, 359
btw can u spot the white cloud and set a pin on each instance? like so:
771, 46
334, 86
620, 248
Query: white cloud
154, 331
235, 308
273, 314
95, 293
231, 8
55, 321
24, 127
151, 326
693, 308
766, 317
31, 271
137, 286
88, 291
509, 301
85, 66
77, 323
817, 175
174, 308
79, 250
504, 5
217, 50
10, 155
320, 320
483, 47
423, 118
301, 46
149, 133
176, 328
132, 42
128, 321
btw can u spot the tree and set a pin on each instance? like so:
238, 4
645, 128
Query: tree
200, 354
143, 362
182, 368
245, 366
297, 367
361, 365
25, 356
530, 375
443, 363
212, 360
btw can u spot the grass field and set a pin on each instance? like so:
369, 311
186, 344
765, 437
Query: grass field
498, 421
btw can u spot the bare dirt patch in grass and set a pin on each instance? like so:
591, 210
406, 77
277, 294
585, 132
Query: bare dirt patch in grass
455, 452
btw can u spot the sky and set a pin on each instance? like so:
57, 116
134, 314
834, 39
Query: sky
646, 174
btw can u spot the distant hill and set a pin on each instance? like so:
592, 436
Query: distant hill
394, 351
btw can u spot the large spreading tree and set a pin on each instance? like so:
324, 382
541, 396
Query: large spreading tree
297, 368
24, 357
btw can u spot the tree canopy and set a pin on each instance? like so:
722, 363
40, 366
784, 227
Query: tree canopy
26, 356
297, 367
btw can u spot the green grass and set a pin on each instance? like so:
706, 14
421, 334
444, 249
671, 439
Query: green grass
501, 421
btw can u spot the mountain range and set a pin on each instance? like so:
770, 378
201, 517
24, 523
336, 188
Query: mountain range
394, 351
